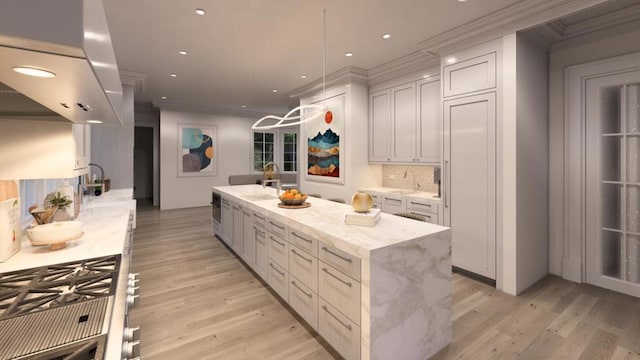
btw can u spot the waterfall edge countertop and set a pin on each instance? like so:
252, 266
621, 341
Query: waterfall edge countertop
326, 218
405, 268
104, 222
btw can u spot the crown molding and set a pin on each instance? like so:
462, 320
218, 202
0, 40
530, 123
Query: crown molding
599, 23
171, 106
135, 79
520, 16
344, 75
402, 66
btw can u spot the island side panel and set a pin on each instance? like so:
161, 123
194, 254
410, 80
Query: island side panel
410, 298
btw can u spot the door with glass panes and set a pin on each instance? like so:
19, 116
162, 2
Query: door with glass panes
612, 198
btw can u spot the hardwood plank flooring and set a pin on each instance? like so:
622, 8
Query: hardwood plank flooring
199, 301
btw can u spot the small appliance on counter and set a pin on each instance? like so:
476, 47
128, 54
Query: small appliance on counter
9, 219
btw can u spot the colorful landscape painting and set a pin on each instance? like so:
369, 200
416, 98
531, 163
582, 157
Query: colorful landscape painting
325, 147
324, 154
197, 151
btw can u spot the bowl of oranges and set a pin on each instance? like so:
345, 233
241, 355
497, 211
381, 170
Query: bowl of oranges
293, 197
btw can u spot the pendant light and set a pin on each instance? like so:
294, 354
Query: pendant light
314, 111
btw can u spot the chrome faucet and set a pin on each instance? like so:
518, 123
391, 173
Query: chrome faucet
416, 184
276, 181
101, 183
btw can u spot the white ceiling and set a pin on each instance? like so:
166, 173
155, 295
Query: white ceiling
242, 49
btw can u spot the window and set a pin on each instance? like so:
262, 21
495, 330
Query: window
263, 149
290, 151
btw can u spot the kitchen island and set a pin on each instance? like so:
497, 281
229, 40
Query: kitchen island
380, 292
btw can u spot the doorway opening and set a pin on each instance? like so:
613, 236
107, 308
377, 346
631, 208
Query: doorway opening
143, 165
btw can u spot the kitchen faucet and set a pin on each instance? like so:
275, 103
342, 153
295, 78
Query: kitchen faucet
98, 185
266, 181
416, 184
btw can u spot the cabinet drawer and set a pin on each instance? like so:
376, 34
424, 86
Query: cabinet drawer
393, 205
259, 220
425, 216
422, 205
304, 301
340, 260
304, 267
470, 75
341, 291
304, 242
278, 250
277, 228
278, 279
376, 198
338, 331
260, 242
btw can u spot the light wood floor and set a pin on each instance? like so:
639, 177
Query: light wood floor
198, 301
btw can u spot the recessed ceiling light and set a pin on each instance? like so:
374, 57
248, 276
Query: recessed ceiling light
173, 75
349, 54
200, 11
303, 76
31, 71
451, 60
275, 90
386, 36
182, 52
164, 98
462, 0
94, 121
244, 106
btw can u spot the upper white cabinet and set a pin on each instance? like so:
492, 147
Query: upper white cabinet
476, 74
404, 123
380, 126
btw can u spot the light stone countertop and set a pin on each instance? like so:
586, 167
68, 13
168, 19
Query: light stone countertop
325, 219
404, 192
104, 221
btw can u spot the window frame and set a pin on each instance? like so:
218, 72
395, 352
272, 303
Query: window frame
281, 148
278, 154
275, 148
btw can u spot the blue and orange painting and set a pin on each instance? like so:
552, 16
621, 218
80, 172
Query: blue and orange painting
324, 154
197, 150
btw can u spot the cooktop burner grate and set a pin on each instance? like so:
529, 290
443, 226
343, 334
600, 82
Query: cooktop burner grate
27, 291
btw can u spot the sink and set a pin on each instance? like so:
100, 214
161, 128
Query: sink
258, 197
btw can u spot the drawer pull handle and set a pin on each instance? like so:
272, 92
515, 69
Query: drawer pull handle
420, 204
300, 237
259, 217
258, 230
336, 255
348, 283
423, 215
277, 242
301, 290
274, 268
348, 326
302, 257
395, 200
276, 225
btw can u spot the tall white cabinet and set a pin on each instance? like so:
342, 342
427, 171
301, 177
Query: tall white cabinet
470, 168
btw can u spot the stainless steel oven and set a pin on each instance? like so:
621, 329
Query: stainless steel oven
216, 207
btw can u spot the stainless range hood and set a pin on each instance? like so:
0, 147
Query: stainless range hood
69, 38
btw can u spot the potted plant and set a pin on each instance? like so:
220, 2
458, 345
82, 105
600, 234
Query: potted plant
58, 202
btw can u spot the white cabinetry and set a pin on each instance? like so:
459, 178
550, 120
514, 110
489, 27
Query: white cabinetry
470, 184
248, 249
393, 204
475, 74
227, 222
260, 262
404, 123
238, 229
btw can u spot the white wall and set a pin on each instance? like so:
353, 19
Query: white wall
532, 165
112, 146
234, 154
560, 59
356, 169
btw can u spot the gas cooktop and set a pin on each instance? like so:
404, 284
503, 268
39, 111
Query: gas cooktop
27, 291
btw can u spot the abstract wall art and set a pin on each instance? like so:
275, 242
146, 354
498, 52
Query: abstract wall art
325, 144
197, 150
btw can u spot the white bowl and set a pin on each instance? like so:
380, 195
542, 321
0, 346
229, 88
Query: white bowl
55, 233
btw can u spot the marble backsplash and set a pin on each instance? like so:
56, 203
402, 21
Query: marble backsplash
393, 176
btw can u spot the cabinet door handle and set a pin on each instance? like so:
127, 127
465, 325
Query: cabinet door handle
348, 283
277, 242
274, 268
444, 193
302, 257
395, 200
337, 255
258, 230
300, 237
276, 225
348, 326
301, 290
420, 204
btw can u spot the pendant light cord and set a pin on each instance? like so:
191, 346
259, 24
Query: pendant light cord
324, 55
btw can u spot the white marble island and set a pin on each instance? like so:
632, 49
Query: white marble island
380, 292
